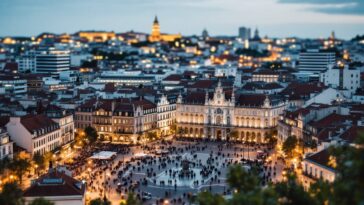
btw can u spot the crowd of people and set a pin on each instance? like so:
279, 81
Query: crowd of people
177, 160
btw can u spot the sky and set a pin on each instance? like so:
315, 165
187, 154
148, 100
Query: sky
274, 18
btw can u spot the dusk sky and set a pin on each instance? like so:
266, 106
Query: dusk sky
275, 18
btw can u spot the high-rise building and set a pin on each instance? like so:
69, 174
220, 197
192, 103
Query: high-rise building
52, 61
315, 60
26, 62
244, 33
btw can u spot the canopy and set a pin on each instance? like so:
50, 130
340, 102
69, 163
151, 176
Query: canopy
103, 155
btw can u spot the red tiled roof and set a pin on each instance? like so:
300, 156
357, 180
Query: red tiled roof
203, 84
109, 87
321, 158
11, 66
66, 187
330, 120
252, 100
352, 133
36, 122
173, 77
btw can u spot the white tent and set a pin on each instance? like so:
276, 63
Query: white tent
103, 155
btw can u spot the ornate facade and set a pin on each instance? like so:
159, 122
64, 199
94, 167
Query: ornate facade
216, 114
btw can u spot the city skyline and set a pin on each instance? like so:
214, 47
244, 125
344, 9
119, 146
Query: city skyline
306, 19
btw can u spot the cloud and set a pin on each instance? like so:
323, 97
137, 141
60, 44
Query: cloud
347, 7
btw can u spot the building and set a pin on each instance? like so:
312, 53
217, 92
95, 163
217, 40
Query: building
216, 114
341, 78
166, 115
35, 133
122, 77
52, 61
6, 145
57, 188
65, 122
26, 62
13, 84
157, 36
320, 165
122, 119
96, 36
315, 60
244, 33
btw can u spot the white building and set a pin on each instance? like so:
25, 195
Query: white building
166, 115
215, 115
52, 61
315, 60
13, 85
26, 62
318, 166
343, 78
6, 145
35, 133
65, 122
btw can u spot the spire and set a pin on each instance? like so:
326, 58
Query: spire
233, 96
156, 20
179, 98
266, 101
219, 84
206, 97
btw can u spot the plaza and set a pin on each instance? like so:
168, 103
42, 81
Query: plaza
173, 171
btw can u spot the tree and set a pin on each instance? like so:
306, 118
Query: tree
131, 200
41, 201
91, 134
4, 165
99, 201
289, 145
270, 139
290, 192
173, 128
39, 160
206, 198
20, 166
11, 194
242, 180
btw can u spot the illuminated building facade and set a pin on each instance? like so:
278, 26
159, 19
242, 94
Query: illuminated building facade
215, 115
156, 35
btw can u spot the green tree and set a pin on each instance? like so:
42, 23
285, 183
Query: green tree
20, 166
39, 160
242, 180
290, 192
173, 128
99, 201
41, 201
349, 183
270, 139
289, 145
206, 198
321, 191
11, 194
4, 165
131, 200
91, 134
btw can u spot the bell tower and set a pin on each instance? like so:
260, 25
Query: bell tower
156, 34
